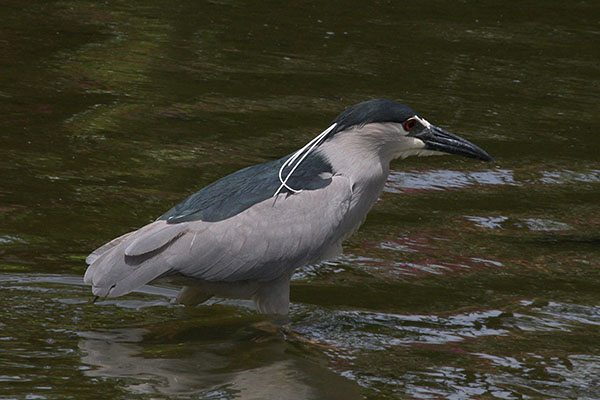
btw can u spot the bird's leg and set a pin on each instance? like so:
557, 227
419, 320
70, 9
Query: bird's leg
273, 297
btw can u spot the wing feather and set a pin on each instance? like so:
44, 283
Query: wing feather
154, 240
268, 239
263, 242
133, 261
104, 248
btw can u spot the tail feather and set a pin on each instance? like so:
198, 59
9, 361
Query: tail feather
106, 247
112, 273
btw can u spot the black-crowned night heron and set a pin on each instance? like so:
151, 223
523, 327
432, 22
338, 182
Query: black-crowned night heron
245, 234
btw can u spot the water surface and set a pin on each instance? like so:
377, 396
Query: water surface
468, 280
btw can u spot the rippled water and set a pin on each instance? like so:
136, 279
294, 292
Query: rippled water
468, 280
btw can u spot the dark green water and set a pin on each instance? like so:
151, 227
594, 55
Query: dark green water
468, 280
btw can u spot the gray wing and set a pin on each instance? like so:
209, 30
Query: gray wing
262, 242
115, 271
103, 249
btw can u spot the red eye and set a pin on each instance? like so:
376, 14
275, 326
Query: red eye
409, 124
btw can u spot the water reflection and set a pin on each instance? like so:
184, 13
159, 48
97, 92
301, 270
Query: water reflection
566, 176
533, 224
222, 352
487, 222
362, 330
453, 340
219, 369
415, 181
402, 182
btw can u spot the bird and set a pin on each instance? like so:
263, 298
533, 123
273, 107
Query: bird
244, 235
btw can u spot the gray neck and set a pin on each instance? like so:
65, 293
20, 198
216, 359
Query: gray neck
362, 154
366, 164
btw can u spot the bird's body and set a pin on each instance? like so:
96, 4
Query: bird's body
245, 234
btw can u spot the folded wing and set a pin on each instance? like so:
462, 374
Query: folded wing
262, 242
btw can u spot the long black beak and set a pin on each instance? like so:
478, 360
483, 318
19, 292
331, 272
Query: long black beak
438, 139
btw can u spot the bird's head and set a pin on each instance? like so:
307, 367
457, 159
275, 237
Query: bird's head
394, 130
364, 138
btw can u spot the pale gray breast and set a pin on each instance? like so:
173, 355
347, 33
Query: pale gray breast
364, 196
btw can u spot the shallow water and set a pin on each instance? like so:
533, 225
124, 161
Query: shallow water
468, 280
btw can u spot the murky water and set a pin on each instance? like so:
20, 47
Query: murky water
468, 280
